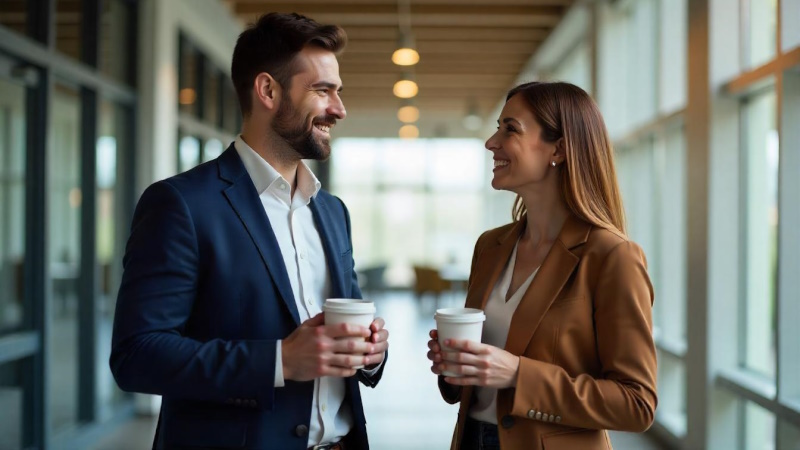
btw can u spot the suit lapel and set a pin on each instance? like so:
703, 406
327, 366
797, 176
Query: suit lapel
322, 217
553, 274
244, 200
496, 254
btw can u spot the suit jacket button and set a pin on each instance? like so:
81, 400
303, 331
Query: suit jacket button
301, 431
507, 421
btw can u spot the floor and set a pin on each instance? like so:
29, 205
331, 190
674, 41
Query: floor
405, 412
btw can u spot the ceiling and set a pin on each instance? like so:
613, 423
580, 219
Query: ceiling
471, 52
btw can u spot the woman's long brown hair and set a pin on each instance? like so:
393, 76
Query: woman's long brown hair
587, 177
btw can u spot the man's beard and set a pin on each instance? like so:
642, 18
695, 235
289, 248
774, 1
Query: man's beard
292, 128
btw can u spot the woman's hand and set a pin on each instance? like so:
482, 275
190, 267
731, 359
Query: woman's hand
480, 364
435, 352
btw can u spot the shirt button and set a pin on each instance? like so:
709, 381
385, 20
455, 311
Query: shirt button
302, 255
324, 407
309, 301
283, 187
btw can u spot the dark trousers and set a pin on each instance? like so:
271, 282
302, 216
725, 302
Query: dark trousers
479, 436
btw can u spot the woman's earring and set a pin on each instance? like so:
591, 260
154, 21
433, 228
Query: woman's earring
553, 163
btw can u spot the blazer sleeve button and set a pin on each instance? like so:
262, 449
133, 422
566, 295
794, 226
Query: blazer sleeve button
531, 413
558, 419
539, 415
238, 402
507, 421
301, 431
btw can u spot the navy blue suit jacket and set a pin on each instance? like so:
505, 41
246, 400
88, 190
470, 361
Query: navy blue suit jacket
205, 295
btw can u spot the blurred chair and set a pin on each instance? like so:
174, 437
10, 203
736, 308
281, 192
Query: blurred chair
429, 280
371, 280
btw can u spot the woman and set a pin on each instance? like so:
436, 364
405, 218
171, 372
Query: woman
567, 349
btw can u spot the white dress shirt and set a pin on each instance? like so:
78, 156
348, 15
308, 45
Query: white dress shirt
495, 332
304, 257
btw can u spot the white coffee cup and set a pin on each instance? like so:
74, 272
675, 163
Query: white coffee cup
349, 310
458, 323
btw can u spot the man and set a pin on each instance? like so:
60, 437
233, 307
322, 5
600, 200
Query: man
228, 265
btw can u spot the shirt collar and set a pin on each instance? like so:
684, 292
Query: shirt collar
265, 176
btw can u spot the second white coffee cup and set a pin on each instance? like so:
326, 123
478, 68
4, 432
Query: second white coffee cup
349, 310
458, 323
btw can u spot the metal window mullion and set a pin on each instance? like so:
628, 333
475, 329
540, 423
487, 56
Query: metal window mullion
35, 430
87, 281
64, 66
751, 388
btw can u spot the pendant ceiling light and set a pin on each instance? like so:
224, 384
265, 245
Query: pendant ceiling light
409, 132
406, 87
406, 53
408, 113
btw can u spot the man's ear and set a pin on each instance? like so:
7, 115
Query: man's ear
265, 90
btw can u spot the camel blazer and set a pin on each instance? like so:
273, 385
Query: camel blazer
583, 331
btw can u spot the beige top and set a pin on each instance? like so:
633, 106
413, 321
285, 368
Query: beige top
495, 332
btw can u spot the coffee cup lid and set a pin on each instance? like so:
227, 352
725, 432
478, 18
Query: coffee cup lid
460, 315
349, 306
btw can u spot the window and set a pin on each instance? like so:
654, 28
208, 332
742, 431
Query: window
64, 255
12, 197
411, 202
760, 196
188, 70
208, 109
69, 27
16, 15
117, 46
759, 34
758, 427
188, 153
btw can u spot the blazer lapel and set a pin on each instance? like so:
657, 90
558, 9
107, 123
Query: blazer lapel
322, 217
497, 256
244, 200
548, 282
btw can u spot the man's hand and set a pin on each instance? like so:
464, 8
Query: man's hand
435, 352
313, 350
380, 339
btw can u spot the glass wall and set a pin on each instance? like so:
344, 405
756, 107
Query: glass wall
13, 386
111, 229
66, 144
209, 115
760, 258
642, 75
412, 202
12, 197
65, 200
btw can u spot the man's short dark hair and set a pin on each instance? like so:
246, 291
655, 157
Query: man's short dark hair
270, 45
